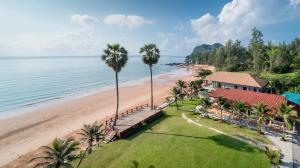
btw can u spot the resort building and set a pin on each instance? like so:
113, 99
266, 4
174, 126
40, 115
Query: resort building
234, 80
250, 98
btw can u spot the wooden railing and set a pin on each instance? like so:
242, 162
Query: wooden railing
108, 121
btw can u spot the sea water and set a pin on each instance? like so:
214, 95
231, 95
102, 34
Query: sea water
29, 81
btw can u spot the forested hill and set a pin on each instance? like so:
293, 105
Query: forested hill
205, 48
277, 63
200, 52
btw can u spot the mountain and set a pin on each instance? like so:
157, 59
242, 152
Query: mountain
201, 53
204, 48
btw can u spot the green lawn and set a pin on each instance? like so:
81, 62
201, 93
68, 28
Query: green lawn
172, 142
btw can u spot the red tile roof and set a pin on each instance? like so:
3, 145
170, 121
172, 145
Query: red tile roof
249, 97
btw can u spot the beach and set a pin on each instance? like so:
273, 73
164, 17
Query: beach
21, 135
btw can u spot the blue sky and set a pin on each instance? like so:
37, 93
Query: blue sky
84, 27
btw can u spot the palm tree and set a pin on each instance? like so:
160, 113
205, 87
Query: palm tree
175, 92
261, 111
221, 101
90, 134
115, 56
181, 85
59, 155
192, 89
205, 102
150, 56
239, 107
286, 111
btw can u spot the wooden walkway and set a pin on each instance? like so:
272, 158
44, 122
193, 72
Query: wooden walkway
130, 121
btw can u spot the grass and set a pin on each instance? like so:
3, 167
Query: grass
231, 129
172, 142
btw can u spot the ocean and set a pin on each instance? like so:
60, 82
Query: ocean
30, 81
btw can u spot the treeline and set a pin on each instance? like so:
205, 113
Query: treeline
258, 57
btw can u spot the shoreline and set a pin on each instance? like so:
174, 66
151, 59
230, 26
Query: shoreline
21, 110
25, 133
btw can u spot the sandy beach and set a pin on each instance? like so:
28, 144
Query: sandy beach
22, 135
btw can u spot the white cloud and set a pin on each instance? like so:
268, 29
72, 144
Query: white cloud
83, 20
131, 21
238, 17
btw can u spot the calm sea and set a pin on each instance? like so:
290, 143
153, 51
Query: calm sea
26, 82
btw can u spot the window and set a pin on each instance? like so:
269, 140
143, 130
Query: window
254, 89
235, 87
244, 88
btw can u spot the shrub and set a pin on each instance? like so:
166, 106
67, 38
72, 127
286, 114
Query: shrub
273, 154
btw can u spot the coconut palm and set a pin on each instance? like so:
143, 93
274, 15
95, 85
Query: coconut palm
181, 85
90, 133
115, 56
58, 155
221, 101
239, 108
175, 92
151, 56
261, 110
192, 89
286, 111
205, 102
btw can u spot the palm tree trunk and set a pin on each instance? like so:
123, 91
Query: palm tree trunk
176, 103
221, 115
151, 88
81, 158
117, 109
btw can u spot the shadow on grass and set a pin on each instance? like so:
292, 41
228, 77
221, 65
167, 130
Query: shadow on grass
135, 164
222, 140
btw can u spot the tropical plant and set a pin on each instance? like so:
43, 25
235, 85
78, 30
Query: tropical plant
58, 155
205, 102
175, 92
239, 108
181, 85
221, 101
90, 133
261, 110
151, 56
204, 72
192, 89
115, 56
286, 111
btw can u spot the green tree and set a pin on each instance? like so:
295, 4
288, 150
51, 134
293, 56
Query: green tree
256, 49
115, 56
286, 111
221, 101
175, 92
204, 72
151, 56
182, 86
205, 102
261, 110
90, 133
239, 108
58, 155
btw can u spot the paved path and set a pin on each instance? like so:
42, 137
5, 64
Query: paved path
285, 147
296, 147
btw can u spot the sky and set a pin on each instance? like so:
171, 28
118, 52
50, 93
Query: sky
84, 27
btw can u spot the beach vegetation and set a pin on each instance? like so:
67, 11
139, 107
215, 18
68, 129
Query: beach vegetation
90, 134
150, 56
59, 155
116, 57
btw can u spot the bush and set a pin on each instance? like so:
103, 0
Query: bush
273, 154
203, 73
